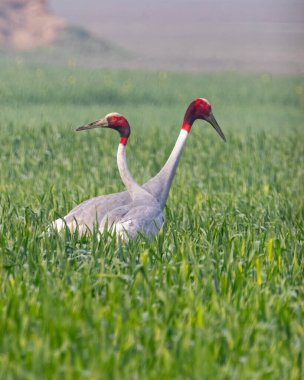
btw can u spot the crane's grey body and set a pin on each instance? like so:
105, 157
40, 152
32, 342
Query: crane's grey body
94, 210
142, 215
107, 207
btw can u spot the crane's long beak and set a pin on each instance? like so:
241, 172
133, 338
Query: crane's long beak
101, 123
211, 119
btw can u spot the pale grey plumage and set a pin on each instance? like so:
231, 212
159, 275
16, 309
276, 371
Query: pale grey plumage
143, 215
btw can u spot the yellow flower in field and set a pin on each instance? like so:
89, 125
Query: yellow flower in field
199, 199
269, 250
129, 342
118, 326
144, 258
199, 316
157, 334
243, 248
258, 272
184, 269
280, 263
11, 281
266, 188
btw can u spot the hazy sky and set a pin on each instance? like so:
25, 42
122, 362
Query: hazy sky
259, 33
289, 11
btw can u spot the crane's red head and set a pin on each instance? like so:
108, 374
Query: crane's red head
114, 121
201, 109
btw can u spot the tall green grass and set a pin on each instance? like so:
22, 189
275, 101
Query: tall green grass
218, 294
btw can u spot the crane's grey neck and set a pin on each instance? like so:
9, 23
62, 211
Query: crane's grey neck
160, 185
132, 186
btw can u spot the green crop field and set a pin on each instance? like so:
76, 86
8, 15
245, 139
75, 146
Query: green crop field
219, 294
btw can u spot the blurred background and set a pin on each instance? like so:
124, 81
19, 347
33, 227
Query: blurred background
198, 35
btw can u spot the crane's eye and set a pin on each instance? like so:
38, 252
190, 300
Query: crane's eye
118, 121
206, 108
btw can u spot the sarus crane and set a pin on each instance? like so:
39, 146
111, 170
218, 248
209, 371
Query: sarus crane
100, 209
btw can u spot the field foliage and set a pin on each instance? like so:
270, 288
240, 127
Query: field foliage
218, 294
